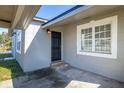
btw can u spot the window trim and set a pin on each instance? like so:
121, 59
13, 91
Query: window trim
109, 20
18, 31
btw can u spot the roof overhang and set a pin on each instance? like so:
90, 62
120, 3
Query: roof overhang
24, 16
79, 14
17, 16
40, 19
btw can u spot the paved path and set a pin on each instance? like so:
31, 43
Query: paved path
8, 52
7, 58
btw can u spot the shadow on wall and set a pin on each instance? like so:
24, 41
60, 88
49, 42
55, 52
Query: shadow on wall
37, 53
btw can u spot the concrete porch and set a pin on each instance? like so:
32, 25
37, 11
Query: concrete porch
64, 76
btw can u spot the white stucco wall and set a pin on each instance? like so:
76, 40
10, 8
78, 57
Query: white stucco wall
20, 56
37, 48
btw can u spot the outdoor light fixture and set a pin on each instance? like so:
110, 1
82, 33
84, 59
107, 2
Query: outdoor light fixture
48, 31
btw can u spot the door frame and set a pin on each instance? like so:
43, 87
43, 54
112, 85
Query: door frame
61, 44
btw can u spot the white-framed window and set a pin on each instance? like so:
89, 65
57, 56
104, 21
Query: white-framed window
98, 38
18, 41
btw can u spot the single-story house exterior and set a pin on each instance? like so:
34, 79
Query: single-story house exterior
89, 37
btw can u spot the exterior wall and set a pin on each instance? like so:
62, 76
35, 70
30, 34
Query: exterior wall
112, 68
20, 57
35, 48
37, 53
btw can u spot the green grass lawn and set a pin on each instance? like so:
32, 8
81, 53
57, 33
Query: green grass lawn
5, 55
9, 70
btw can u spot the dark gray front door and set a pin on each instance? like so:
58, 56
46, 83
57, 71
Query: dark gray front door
56, 46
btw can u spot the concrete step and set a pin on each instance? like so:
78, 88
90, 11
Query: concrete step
59, 65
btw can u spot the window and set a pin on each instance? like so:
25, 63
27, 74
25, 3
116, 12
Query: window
103, 39
86, 37
18, 41
98, 38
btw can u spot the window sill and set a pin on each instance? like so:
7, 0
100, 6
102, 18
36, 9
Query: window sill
112, 56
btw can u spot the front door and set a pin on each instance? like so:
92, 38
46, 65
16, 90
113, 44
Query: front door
56, 46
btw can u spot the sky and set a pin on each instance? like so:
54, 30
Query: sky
51, 11
3, 30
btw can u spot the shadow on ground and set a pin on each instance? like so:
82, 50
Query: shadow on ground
45, 78
9, 69
68, 77
11, 75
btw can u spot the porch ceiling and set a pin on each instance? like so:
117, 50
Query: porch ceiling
85, 13
17, 16
7, 13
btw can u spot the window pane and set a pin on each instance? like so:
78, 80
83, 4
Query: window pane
97, 29
82, 31
18, 40
96, 35
108, 27
102, 35
108, 34
86, 39
102, 28
90, 30
103, 39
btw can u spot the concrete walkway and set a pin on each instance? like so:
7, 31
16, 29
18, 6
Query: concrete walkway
7, 58
67, 77
8, 52
85, 79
